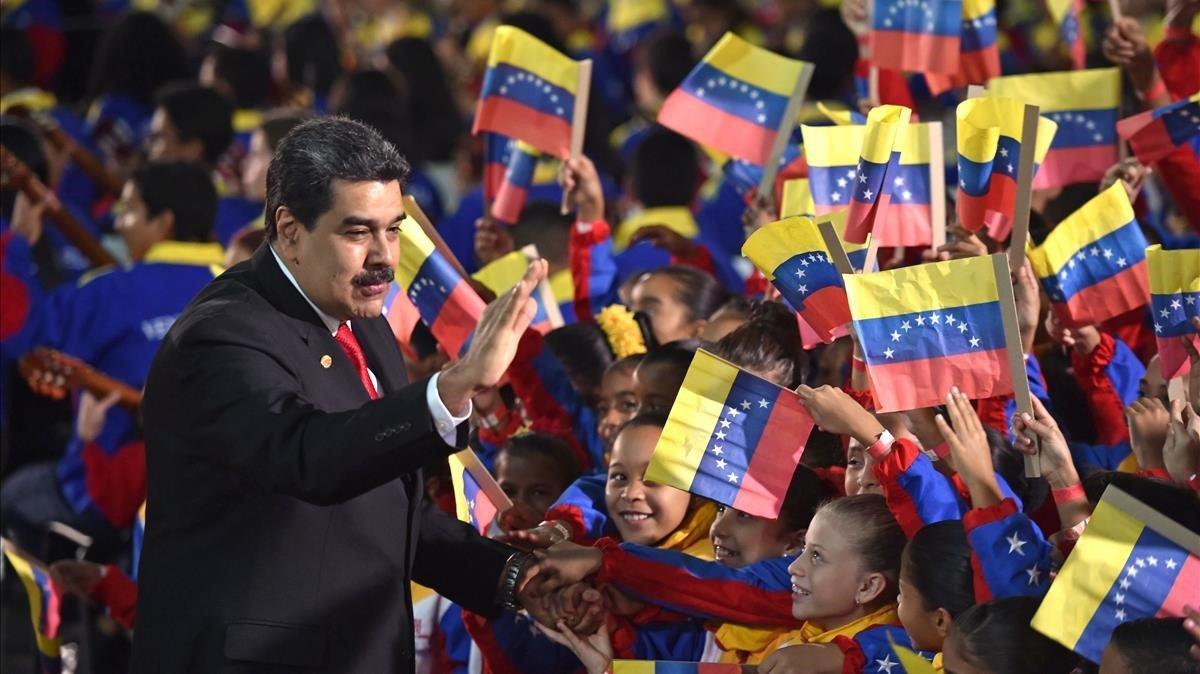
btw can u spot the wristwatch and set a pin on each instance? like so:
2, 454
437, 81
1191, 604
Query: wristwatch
513, 569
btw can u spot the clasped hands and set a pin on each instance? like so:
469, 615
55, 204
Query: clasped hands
562, 592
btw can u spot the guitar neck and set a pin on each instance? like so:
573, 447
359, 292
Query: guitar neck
101, 385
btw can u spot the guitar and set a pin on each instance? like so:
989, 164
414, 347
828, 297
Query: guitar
54, 374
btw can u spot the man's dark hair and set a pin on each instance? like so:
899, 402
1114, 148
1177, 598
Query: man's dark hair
137, 55
666, 170
318, 152
313, 59
1154, 645
246, 71
186, 190
543, 225
279, 123
199, 113
668, 57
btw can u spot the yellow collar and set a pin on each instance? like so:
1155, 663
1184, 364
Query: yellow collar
30, 98
246, 120
811, 634
691, 536
678, 219
183, 252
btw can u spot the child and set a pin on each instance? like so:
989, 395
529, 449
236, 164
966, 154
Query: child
533, 470
1149, 646
618, 400
995, 638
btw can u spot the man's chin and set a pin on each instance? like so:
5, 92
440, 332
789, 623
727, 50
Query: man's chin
367, 308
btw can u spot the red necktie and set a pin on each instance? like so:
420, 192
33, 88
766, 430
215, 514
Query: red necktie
349, 343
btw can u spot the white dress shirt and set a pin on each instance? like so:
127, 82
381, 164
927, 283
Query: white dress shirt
445, 422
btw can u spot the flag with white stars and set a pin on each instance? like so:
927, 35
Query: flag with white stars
1156, 133
793, 256
979, 58
472, 502
731, 437
528, 92
1131, 562
989, 148
834, 176
1093, 264
883, 139
500, 275
446, 302
1174, 302
926, 328
1084, 105
745, 176
919, 36
672, 667
1066, 14
734, 99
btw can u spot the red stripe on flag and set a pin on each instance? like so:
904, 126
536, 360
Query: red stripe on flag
906, 225
1111, 297
510, 201
915, 52
779, 448
547, 133
403, 316
924, 383
1068, 165
862, 217
707, 125
457, 319
485, 512
1184, 591
493, 177
1173, 358
992, 211
826, 310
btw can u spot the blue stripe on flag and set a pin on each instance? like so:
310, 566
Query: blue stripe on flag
932, 334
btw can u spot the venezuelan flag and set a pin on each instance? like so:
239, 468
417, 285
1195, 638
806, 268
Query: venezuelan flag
793, 256
1066, 14
445, 300
528, 92
44, 603
514, 186
833, 172
731, 437
501, 275
628, 22
927, 328
989, 150
497, 149
918, 36
1156, 133
1084, 105
797, 199
472, 504
666, 667
745, 176
979, 57
1131, 562
1093, 264
883, 139
839, 115
734, 100
1174, 301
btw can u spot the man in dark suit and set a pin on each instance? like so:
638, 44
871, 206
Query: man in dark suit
286, 516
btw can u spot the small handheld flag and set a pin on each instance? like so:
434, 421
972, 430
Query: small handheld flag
444, 299
879, 159
927, 328
529, 92
44, 605
1084, 105
1092, 265
1156, 133
1131, 562
989, 151
731, 437
978, 58
797, 199
501, 275
667, 667
1174, 302
477, 497
795, 257
509, 168
1066, 13
628, 22
916, 36
736, 99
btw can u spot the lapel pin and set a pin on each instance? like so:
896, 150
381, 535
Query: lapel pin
326, 361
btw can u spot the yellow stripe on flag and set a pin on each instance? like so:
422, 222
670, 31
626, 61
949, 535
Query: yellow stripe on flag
836, 112
755, 65
678, 219
517, 48
926, 287
981, 121
690, 424
1105, 213
415, 246
775, 243
626, 14
833, 145
916, 145
1095, 89
976, 8
502, 274
797, 198
1173, 271
461, 509
886, 131
50, 647
910, 661
633, 667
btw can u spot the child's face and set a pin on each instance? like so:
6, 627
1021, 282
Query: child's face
654, 295
643, 512
827, 576
532, 482
656, 386
740, 539
618, 403
923, 627
860, 479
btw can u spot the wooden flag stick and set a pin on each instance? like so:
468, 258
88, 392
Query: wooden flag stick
834, 243
873, 98
413, 209
872, 254
487, 483
579, 118
1114, 6
1020, 228
976, 91
1016, 356
783, 136
937, 184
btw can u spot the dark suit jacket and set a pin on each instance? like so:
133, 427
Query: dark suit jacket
286, 513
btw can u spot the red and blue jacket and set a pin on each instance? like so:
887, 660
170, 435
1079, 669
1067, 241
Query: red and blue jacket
1009, 555
1109, 377
114, 320
582, 507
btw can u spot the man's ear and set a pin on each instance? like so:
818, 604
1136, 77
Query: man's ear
165, 222
287, 231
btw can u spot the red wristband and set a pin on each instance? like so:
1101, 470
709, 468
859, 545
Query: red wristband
939, 452
881, 446
1069, 494
1194, 482
1158, 88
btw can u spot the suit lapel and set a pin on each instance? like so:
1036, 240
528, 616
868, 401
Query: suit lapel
383, 356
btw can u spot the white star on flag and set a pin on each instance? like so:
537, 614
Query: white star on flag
745, 404
888, 353
721, 463
1035, 575
733, 477
763, 404
1015, 544
717, 450
895, 336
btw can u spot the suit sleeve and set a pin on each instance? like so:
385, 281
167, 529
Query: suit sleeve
249, 415
457, 562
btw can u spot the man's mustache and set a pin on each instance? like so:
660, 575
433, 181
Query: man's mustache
373, 277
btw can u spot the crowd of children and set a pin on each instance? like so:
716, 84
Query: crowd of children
149, 127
